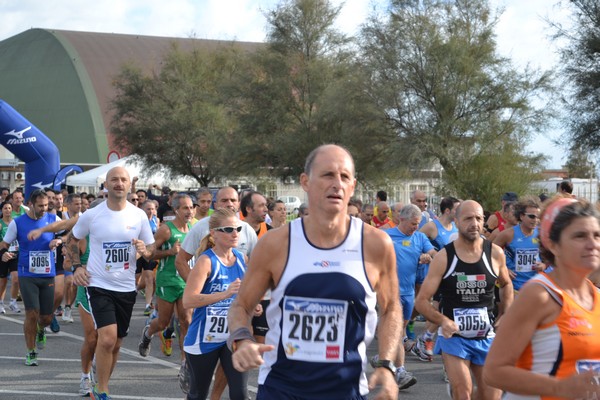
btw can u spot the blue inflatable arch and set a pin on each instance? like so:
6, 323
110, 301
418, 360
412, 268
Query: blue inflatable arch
30, 145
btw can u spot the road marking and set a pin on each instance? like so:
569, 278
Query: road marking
70, 395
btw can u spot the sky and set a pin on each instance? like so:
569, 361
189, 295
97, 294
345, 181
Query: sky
522, 34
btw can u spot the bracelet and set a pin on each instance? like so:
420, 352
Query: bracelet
237, 335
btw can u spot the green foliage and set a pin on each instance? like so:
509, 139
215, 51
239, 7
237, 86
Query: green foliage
579, 164
449, 96
175, 117
581, 73
305, 89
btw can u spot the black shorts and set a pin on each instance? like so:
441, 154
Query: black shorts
8, 267
109, 307
144, 265
37, 294
259, 324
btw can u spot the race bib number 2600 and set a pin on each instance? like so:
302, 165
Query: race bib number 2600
116, 256
314, 329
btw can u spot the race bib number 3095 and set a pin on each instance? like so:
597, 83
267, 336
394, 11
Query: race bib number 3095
314, 329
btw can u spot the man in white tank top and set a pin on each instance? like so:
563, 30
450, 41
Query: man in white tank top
326, 272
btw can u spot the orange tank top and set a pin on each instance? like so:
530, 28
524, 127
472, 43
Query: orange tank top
569, 344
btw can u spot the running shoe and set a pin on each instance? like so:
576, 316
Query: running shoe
420, 318
31, 359
93, 374
85, 387
54, 326
184, 378
408, 345
14, 307
144, 345
445, 375
417, 351
2, 309
59, 311
410, 330
148, 311
405, 379
40, 338
95, 395
428, 347
166, 344
67, 315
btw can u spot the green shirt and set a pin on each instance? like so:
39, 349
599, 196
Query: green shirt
167, 274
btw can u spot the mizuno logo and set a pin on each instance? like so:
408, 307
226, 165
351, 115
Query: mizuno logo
18, 137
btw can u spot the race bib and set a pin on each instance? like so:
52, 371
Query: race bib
314, 329
472, 322
582, 366
39, 262
526, 259
116, 256
14, 247
216, 328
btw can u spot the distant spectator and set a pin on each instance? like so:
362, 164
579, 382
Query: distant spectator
303, 210
566, 187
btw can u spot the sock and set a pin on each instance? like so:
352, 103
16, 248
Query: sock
427, 335
147, 336
13, 301
31, 350
168, 333
84, 375
400, 369
67, 306
147, 305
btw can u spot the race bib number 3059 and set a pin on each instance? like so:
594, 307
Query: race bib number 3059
314, 329
116, 256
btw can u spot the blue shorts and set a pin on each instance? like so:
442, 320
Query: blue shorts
473, 350
408, 305
422, 270
270, 393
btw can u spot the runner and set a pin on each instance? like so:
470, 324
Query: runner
36, 271
9, 267
412, 249
211, 287
548, 344
465, 272
169, 285
439, 233
322, 328
117, 229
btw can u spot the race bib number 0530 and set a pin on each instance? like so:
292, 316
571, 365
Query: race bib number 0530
314, 329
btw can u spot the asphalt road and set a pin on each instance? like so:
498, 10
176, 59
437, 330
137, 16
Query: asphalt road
135, 377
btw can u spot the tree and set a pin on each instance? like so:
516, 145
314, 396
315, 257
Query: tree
302, 90
581, 73
579, 164
175, 117
449, 96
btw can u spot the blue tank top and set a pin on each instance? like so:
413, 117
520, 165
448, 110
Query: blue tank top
208, 330
521, 254
443, 236
35, 257
321, 319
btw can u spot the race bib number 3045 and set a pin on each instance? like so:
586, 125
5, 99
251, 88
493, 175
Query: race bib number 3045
314, 329
116, 256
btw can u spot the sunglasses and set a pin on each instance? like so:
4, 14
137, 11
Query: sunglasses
229, 229
134, 199
532, 216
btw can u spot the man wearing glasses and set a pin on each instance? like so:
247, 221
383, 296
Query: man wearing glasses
36, 268
117, 231
521, 244
133, 199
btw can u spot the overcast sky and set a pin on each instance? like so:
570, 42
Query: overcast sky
521, 33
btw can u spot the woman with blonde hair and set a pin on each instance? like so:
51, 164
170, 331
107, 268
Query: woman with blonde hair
211, 287
548, 342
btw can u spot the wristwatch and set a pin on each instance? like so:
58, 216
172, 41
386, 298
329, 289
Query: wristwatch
388, 364
75, 266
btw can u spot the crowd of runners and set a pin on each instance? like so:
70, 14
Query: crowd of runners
509, 301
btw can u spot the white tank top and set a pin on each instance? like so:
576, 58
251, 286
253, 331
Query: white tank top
321, 319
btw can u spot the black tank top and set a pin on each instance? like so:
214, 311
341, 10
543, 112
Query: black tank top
467, 291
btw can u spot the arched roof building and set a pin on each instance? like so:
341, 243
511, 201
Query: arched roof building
61, 81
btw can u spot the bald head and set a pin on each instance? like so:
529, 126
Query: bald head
325, 150
469, 220
382, 210
118, 183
